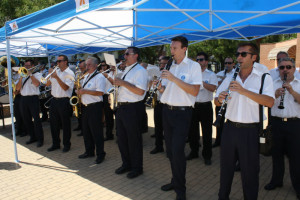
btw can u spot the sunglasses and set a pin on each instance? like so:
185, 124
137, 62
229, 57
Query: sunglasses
200, 59
227, 63
127, 54
243, 54
287, 67
58, 61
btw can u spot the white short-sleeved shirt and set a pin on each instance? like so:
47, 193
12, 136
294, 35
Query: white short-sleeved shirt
222, 74
291, 108
241, 108
274, 73
205, 95
188, 71
28, 89
137, 76
96, 83
260, 67
56, 90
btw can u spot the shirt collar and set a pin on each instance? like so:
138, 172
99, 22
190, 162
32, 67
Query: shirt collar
129, 67
185, 60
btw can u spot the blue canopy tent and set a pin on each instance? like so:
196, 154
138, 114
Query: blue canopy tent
115, 24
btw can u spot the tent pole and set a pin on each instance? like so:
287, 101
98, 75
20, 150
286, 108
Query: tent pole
11, 98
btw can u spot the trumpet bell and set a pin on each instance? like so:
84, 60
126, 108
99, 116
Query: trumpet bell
23, 72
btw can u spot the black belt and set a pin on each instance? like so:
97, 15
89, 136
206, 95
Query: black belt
286, 119
202, 103
59, 98
178, 107
127, 103
90, 104
243, 125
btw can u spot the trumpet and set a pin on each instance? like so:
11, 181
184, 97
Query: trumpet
23, 71
45, 79
281, 106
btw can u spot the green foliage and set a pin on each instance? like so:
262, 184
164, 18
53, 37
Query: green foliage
278, 38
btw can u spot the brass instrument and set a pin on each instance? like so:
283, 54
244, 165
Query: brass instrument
114, 91
14, 61
281, 106
45, 79
23, 71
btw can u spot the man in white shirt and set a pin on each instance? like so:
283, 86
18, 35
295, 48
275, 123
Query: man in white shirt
179, 89
29, 104
203, 113
91, 92
285, 126
62, 83
240, 137
275, 72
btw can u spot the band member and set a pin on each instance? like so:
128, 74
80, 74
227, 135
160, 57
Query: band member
203, 113
158, 129
228, 71
62, 82
275, 72
179, 89
285, 124
91, 97
29, 103
241, 131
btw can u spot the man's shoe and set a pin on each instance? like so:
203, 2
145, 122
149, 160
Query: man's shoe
207, 161
272, 186
180, 197
134, 174
80, 134
215, 145
191, 156
53, 148
167, 187
77, 129
99, 160
85, 155
66, 149
122, 170
39, 144
108, 138
157, 150
31, 141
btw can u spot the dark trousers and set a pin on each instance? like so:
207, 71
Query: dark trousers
92, 129
220, 128
43, 109
239, 144
286, 139
203, 113
20, 126
158, 130
144, 122
30, 109
176, 125
128, 120
60, 114
109, 117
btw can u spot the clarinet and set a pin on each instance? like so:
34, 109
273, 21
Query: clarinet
224, 104
281, 106
151, 94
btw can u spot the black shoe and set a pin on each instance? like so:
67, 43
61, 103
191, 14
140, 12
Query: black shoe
39, 144
77, 129
99, 160
272, 186
215, 145
207, 161
134, 174
53, 148
122, 170
180, 197
66, 149
31, 141
157, 150
167, 187
85, 155
191, 156
80, 134
108, 138
153, 135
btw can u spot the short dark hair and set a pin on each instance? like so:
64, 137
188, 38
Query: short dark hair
183, 40
229, 58
135, 50
203, 54
165, 58
253, 47
29, 60
287, 59
282, 52
65, 57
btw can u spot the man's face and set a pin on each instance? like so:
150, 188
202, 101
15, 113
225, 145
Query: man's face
27, 65
82, 67
229, 64
103, 67
176, 50
245, 57
90, 66
130, 57
61, 62
162, 64
286, 67
203, 63
279, 57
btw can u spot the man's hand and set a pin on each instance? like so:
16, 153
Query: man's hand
118, 82
167, 75
288, 87
222, 96
279, 92
80, 91
236, 87
54, 75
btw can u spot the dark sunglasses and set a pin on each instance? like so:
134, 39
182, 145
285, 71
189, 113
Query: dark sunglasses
127, 54
227, 63
243, 54
287, 67
200, 59
58, 61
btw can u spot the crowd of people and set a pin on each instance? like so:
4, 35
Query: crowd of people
185, 93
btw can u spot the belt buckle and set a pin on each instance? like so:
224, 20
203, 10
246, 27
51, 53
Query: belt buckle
285, 119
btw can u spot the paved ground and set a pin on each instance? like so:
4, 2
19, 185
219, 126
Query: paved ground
56, 175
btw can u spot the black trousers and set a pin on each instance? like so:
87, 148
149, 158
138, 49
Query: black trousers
145, 116
220, 128
60, 115
203, 113
158, 130
30, 109
176, 125
239, 144
20, 126
286, 139
109, 117
129, 120
92, 129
